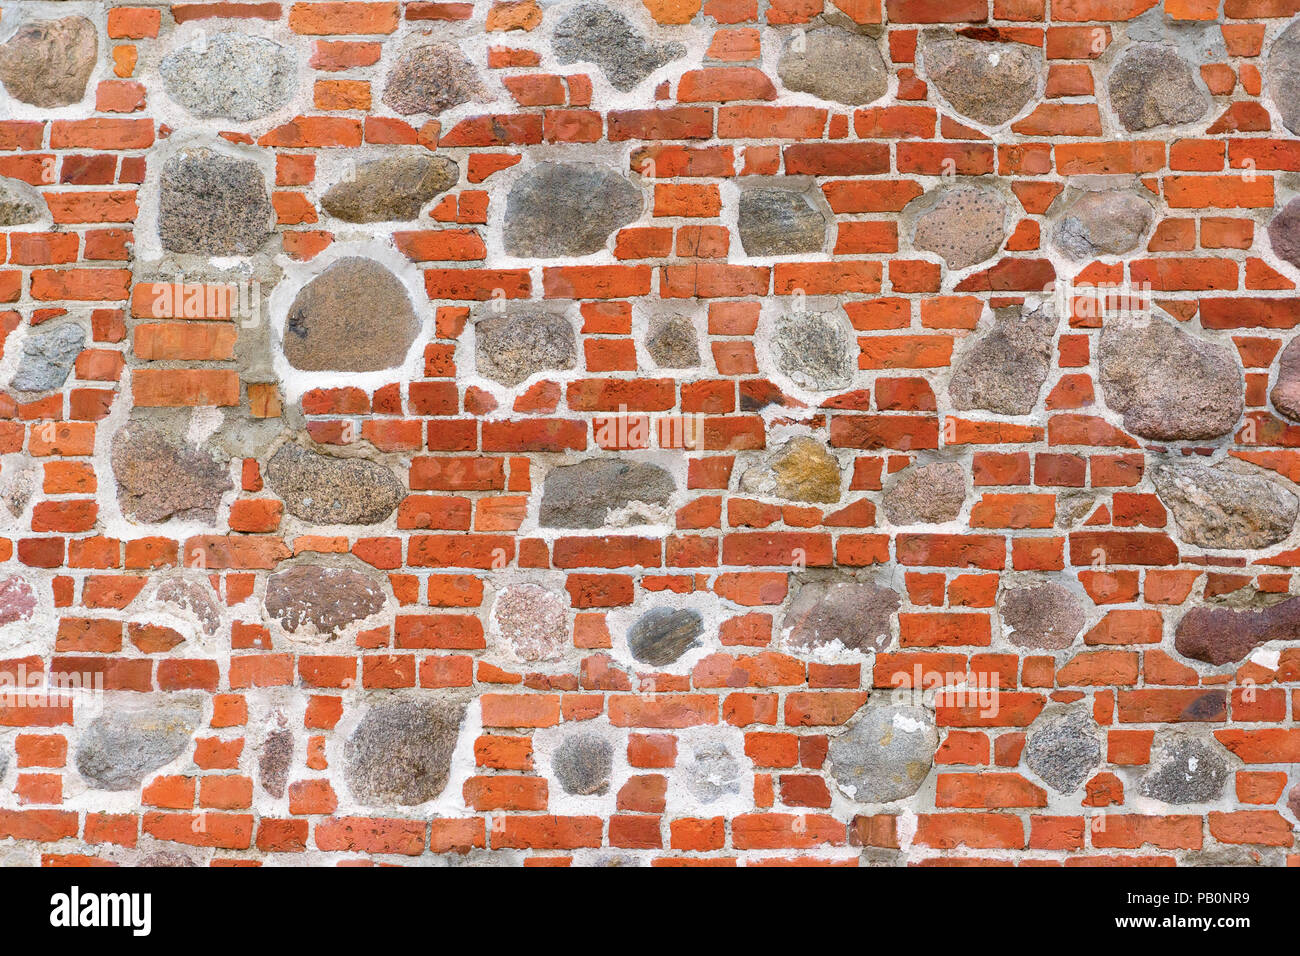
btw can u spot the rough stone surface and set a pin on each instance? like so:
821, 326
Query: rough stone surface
1285, 395
926, 494
1283, 77
1219, 635
1112, 222
48, 62
779, 222
1064, 750
1219, 507
886, 753
712, 774
320, 600
274, 761
213, 205
1151, 85
17, 599
834, 64
158, 479
583, 764
430, 79
532, 620
230, 75
20, 204
1004, 369
1167, 384
857, 615
356, 316
513, 347
672, 343
391, 189
1044, 616
965, 227
663, 634
132, 739
814, 350
987, 82
567, 209
47, 357
588, 494
1284, 233
328, 490
400, 752
594, 33
802, 470
1185, 770
190, 594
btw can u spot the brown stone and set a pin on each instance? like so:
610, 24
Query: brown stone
1218, 635
48, 62
857, 615
803, 470
320, 600
158, 479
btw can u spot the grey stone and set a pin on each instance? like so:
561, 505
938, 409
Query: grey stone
532, 620
1044, 616
17, 599
212, 205
834, 64
165, 859
131, 739
20, 204
585, 494
47, 358
400, 753
595, 33
801, 470
19, 479
663, 634
356, 316
1286, 393
1151, 85
430, 79
48, 62
926, 494
1225, 508
815, 350
325, 490
190, 593
966, 226
390, 190
1063, 750
321, 600
1167, 384
567, 209
1218, 635
1184, 770
779, 222
1004, 369
583, 764
1112, 222
1283, 75
230, 75
712, 773
274, 761
886, 753
1284, 233
672, 343
987, 82
158, 479
513, 347
857, 615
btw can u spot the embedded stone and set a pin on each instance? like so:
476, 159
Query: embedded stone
1293, 801
966, 226
430, 79
1064, 750
1184, 770
48, 357
1045, 616
1284, 233
601, 491
712, 773
926, 494
567, 209
1286, 393
831, 63
511, 348
17, 599
1168, 384
158, 479
390, 190
1223, 508
533, 621
1112, 222
886, 752
802, 470
191, 594
230, 75
321, 600
20, 205
1004, 369
583, 764
857, 615
274, 761
594, 33
400, 753
325, 490
1283, 75
1218, 635
815, 350
779, 222
672, 343
356, 316
133, 738
48, 62
1151, 85
213, 205
663, 634
984, 81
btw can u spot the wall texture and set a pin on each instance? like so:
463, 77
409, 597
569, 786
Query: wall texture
673, 431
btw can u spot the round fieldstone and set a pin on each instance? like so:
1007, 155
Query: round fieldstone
801, 470
533, 621
856, 615
1218, 635
1184, 770
511, 348
1151, 85
1284, 233
1045, 616
1283, 75
1003, 370
17, 600
1217, 507
663, 634
158, 479
390, 190
1064, 750
21, 205
594, 33
213, 205
585, 494
322, 489
1167, 384
1103, 223
230, 75
815, 350
712, 774
984, 81
274, 761
400, 753
886, 753
321, 600
356, 316
583, 764
48, 62
430, 79
48, 356
672, 343
926, 494
1286, 393
133, 738
965, 226
779, 222
831, 63
567, 209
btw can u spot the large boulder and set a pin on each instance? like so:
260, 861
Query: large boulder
390, 190
779, 222
590, 493
886, 753
133, 738
511, 348
834, 64
1218, 507
663, 634
400, 752
230, 75
1184, 770
963, 225
1043, 616
857, 615
48, 356
1064, 749
158, 478
430, 79
815, 349
1110, 222
48, 63
984, 81
1283, 75
213, 205
1003, 370
801, 470
567, 209
1151, 85
1219, 635
326, 490
926, 494
595, 33
321, 601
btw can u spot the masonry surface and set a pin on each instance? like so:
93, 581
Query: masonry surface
721, 432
